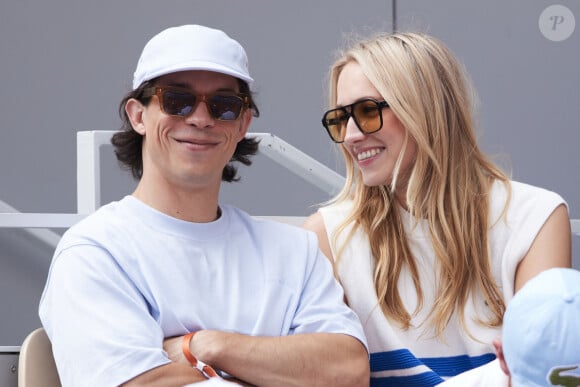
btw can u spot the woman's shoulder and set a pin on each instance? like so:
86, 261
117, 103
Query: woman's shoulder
340, 207
523, 206
523, 195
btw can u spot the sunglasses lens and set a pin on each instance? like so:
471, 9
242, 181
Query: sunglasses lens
178, 103
225, 107
367, 115
221, 107
335, 123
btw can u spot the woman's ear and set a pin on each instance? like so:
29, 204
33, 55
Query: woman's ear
135, 110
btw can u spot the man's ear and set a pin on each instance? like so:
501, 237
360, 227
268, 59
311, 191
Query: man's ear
499, 353
135, 110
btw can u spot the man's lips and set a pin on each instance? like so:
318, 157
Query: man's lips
198, 142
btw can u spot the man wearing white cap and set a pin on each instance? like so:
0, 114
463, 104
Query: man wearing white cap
167, 286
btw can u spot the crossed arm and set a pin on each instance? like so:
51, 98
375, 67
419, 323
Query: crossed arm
315, 359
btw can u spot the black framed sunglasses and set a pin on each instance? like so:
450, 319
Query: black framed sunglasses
177, 101
366, 114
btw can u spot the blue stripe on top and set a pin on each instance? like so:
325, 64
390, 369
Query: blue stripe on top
393, 360
426, 379
454, 365
440, 366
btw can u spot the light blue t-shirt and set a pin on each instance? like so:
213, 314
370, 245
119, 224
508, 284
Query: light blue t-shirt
128, 276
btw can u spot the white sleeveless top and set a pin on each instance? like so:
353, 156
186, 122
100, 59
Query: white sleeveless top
415, 357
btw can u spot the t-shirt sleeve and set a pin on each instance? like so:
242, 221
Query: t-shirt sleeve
322, 307
98, 322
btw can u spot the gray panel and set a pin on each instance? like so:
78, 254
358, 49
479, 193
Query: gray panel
66, 64
528, 85
62, 74
23, 270
8, 369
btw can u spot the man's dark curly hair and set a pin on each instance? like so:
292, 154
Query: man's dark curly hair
128, 143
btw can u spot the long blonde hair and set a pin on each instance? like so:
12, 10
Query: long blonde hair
448, 185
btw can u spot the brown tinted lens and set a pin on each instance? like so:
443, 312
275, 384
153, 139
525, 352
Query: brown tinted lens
225, 107
335, 122
178, 103
367, 115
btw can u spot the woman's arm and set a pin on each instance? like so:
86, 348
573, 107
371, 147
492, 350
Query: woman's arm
552, 247
315, 223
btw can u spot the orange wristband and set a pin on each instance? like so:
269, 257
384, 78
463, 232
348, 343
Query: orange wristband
185, 348
205, 369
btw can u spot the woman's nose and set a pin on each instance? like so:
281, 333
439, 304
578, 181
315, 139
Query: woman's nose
352, 132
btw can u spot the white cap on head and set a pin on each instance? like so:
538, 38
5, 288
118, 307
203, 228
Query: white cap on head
191, 47
541, 330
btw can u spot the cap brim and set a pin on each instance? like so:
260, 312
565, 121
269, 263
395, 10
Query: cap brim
197, 65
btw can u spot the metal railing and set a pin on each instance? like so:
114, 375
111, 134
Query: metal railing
89, 183
273, 147
89, 144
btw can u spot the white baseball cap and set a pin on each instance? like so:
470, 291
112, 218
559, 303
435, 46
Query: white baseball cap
541, 330
191, 47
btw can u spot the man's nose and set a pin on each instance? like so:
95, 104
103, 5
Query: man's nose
200, 116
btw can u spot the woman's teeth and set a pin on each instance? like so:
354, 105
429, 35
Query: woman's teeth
369, 153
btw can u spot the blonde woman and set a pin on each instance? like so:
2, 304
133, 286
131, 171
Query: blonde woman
429, 238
